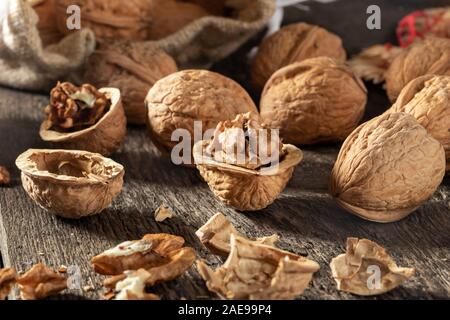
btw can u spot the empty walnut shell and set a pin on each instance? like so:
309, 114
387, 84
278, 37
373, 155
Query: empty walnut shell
133, 68
294, 43
104, 137
430, 56
427, 99
71, 184
387, 168
242, 188
317, 100
180, 99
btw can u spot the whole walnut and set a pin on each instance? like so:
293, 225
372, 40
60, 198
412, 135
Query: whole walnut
294, 43
181, 98
387, 168
109, 19
133, 68
427, 99
169, 16
430, 56
215, 7
317, 100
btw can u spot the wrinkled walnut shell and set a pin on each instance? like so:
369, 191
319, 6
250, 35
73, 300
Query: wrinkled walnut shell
317, 100
133, 68
430, 56
387, 168
70, 184
427, 99
242, 188
181, 98
294, 43
105, 137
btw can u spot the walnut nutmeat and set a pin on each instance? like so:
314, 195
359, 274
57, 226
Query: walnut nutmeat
5, 177
8, 278
40, 282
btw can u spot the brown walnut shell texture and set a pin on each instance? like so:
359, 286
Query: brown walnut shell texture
245, 189
105, 137
133, 68
294, 43
181, 98
109, 19
430, 56
317, 100
48, 31
387, 168
427, 98
70, 184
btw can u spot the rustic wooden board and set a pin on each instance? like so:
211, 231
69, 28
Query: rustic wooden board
305, 216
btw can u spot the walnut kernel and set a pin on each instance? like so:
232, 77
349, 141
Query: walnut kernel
40, 282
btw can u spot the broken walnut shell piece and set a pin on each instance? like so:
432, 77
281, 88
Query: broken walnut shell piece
40, 282
178, 262
69, 183
104, 137
163, 212
259, 272
242, 188
352, 271
8, 278
216, 233
427, 99
151, 251
387, 168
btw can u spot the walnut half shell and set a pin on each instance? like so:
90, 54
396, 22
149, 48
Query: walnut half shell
104, 137
71, 184
242, 188
387, 168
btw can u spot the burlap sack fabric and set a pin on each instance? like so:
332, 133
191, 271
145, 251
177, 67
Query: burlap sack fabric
25, 64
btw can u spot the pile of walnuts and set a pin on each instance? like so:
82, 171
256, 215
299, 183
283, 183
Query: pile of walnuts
387, 167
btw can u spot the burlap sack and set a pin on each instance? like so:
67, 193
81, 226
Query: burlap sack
25, 64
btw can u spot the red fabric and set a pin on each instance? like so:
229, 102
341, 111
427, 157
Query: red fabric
416, 25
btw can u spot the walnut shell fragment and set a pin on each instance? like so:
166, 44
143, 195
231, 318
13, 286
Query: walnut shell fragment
372, 63
149, 252
70, 184
387, 168
133, 68
427, 99
231, 184
105, 136
294, 43
366, 269
5, 177
180, 99
430, 56
162, 213
40, 282
215, 234
259, 272
8, 278
317, 100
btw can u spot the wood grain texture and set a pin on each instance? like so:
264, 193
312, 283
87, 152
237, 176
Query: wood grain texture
305, 216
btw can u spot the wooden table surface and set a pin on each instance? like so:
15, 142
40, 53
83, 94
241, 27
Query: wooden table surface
305, 216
